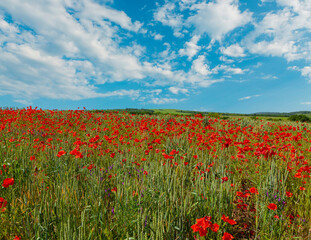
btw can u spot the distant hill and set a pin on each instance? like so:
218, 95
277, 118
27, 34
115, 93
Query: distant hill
191, 112
280, 114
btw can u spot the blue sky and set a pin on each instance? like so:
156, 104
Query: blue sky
221, 56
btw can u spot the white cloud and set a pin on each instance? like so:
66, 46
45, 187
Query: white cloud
177, 90
191, 47
98, 13
68, 49
167, 15
197, 81
43, 64
218, 18
249, 97
165, 100
306, 103
228, 69
283, 33
200, 67
269, 76
28, 73
233, 51
225, 59
305, 71
186, 4
81, 39
158, 36
133, 94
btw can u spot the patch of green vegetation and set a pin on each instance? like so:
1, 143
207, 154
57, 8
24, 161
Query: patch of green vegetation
299, 118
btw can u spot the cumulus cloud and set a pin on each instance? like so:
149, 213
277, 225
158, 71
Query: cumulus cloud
191, 47
218, 18
234, 50
68, 49
177, 90
305, 71
167, 15
157, 36
228, 69
71, 61
99, 13
200, 67
43, 54
283, 33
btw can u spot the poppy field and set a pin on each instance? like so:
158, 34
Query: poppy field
114, 175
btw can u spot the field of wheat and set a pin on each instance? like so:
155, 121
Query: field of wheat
91, 175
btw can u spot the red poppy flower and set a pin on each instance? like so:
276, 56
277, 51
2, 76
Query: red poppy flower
17, 238
227, 236
253, 190
289, 194
272, 206
224, 218
224, 179
232, 222
3, 203
228, 220
198, 228
7, 182
61, 153
215, 227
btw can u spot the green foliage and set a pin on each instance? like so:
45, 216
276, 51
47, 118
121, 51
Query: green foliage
213, 115
299, 118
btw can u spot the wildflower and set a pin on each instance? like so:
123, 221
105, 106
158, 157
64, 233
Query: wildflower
224, 218
289, 194
253, 190
202, 225
3, 202
227, 236
232, 222
215, 227
272, 206
228, 220
224, 179
7, 182
61, 153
